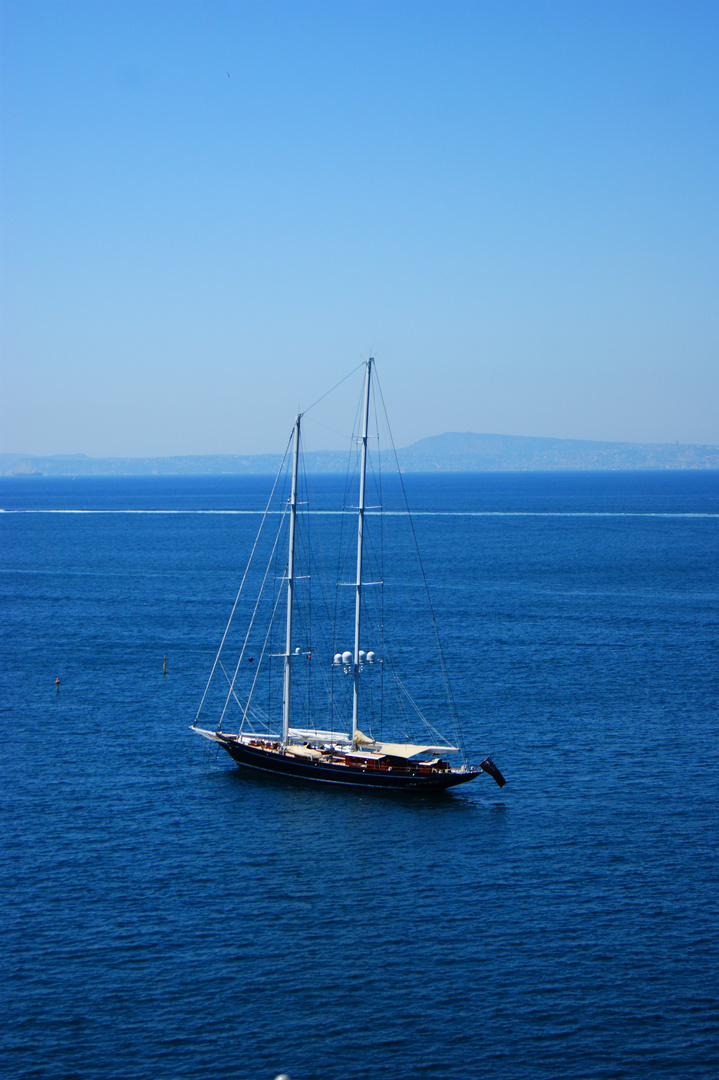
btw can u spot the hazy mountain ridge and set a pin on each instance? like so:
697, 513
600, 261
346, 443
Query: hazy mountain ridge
470, 452
451, 452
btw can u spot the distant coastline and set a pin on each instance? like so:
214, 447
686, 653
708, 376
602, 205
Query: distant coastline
450, 452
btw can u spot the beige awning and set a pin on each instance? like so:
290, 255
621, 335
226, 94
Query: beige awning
302, 751
405, 750
409, 750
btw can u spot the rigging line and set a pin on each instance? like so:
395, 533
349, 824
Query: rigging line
334, 431
345, 550
443, 666
341, 554
321, 567
263, 718
252, 620
376, 468
303, 612
318, 562
257, 714
229, 681
244, 576
262, 654
332, 390
428, 724
388, 607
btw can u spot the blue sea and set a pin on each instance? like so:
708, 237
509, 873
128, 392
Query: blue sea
169, 916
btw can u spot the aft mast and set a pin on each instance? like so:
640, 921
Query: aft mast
360, 528
287, 683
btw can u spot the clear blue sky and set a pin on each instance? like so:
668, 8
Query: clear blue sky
513, 205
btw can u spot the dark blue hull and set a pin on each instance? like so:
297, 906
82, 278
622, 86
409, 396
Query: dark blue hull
395, 778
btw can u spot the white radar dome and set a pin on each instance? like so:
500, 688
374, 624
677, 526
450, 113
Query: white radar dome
362, 655
370, 658
347, 657
338, 658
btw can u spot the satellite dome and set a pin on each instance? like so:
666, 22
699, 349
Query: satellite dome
362, 655
370, 657
347, 657
338, 658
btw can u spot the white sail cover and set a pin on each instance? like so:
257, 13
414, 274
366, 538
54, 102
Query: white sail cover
311, 735
363, 740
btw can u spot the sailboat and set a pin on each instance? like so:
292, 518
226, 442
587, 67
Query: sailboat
339, 740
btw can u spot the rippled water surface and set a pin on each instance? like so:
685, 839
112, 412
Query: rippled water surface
169, 916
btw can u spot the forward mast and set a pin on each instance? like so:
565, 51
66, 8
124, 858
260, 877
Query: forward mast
287, 681
360, 547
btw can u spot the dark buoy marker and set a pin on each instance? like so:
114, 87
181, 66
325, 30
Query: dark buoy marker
57, 685
164, 665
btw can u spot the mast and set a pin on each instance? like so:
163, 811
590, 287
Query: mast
360, 528
290, 585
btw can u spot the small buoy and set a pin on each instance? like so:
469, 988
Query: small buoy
57, 685
164, 665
